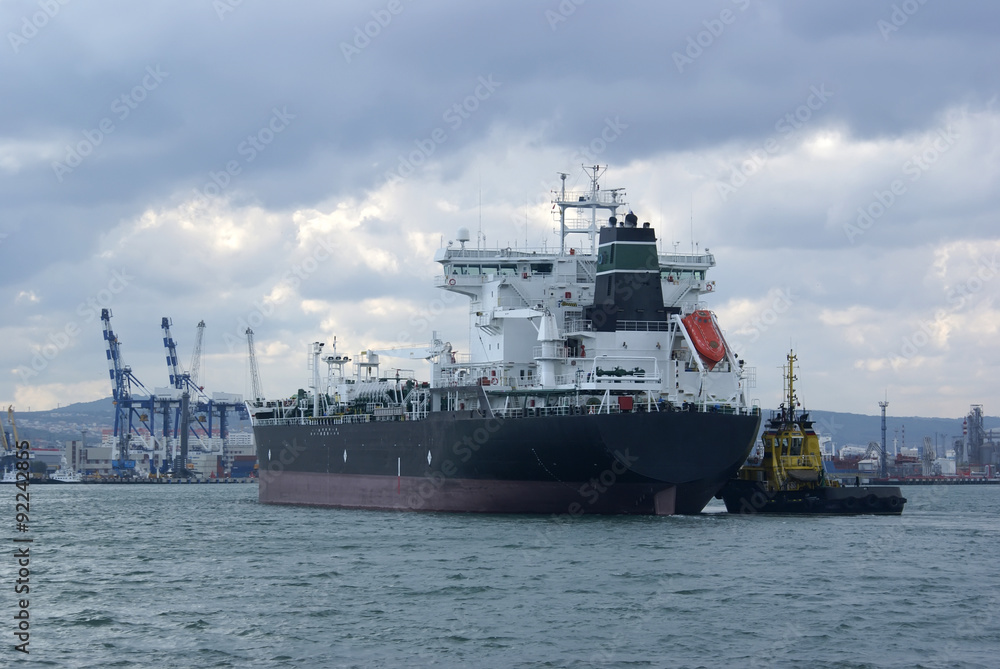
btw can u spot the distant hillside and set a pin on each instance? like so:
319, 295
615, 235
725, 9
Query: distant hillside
47, 428
97, 409
852, 428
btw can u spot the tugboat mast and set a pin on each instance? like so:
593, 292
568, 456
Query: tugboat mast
791, 399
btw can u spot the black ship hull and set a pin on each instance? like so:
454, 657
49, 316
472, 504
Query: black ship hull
624, 463
753, 497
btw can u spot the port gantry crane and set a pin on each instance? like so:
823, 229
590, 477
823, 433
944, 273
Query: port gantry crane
193, 399
129, 408
133, 412
3, 433
7, 458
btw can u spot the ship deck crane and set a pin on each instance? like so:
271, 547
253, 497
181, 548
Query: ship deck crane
435, 348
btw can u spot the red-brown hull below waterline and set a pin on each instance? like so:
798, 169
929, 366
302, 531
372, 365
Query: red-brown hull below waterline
465, 495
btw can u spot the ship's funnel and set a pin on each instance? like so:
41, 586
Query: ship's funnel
628, 277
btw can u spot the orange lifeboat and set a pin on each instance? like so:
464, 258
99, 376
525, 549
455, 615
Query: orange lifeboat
706, 336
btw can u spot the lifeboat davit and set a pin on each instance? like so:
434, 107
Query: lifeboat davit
706, 336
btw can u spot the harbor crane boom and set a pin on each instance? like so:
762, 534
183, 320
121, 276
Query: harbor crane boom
195, 366
168, 343
127, 407
255, 389
13, 427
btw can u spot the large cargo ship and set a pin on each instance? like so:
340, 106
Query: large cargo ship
597, 381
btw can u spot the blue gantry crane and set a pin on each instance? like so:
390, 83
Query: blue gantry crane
185, 407
201, 408
131, 410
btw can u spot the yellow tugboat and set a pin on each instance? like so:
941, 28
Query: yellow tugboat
790, 478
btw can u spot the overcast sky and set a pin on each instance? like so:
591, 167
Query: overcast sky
295, 166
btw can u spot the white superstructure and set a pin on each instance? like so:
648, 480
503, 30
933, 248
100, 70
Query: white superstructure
529, 328
606, 327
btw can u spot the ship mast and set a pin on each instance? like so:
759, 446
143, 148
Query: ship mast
593, 200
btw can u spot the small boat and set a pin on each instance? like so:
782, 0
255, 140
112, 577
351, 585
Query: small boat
790, 477
705, 336
65, 476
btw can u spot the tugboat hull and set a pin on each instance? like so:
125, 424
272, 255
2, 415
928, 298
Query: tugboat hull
752, 497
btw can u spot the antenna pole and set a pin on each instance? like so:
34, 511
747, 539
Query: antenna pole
692, 223
884, 473
562, 216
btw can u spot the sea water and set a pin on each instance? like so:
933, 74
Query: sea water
205, 576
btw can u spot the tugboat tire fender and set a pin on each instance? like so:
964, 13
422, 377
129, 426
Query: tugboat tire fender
893, 502
871, 501
850, 503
